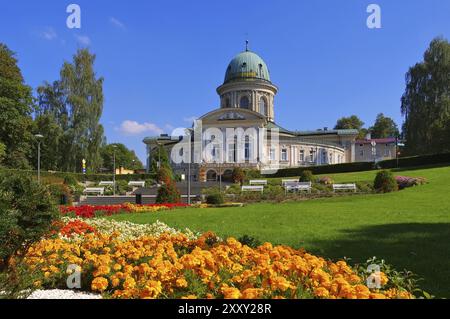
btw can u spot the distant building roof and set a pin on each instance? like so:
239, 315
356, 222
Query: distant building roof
387, 140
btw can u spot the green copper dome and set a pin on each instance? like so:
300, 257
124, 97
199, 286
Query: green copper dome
247, 65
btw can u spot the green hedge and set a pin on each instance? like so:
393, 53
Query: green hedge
80, 177
412, 161
421, 160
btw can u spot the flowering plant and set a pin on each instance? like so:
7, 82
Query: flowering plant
174, 266
405, 181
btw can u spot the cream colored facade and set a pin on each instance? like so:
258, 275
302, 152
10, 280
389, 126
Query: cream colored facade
247, 100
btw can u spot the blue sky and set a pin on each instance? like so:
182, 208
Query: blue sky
163, 60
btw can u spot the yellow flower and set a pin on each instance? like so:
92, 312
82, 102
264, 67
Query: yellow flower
181, 283
230, 292
99, 284
321, 292
129, 283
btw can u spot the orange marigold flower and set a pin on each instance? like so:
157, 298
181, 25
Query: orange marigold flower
99, 284
321, 292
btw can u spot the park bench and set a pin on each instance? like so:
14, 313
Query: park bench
94, 190
344, 187
106, 183
137, 183
298, 186
253, 189
288, 181
258, 182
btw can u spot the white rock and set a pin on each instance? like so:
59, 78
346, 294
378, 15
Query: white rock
62, 294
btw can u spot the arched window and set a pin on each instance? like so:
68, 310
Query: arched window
244, 103
263, 106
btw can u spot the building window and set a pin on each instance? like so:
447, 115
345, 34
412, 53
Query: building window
263, 106
227, 102
284, 155
324, 157
311, 155
247, 148
361, 153
331, 158
231, 153
302, 156
272, 154
244, 103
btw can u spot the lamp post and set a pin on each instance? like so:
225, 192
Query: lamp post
114, 169
39, 137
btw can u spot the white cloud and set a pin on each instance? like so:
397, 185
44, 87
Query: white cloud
117, 23
48, 34
134, 128
83, 39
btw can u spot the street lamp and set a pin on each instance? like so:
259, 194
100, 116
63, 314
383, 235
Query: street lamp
39, 137
114, 169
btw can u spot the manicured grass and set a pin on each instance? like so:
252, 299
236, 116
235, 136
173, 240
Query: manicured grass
410, 229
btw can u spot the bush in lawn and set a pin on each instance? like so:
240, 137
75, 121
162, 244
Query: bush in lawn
122, 187
238, 175
252, 174
168, 194
60, 193
385, 182
216, 198
326, 180
26, 213
364, 187
70, 180
306, 176
164, 175
276, 193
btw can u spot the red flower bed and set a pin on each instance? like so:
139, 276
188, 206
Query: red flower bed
76, 227
88, 211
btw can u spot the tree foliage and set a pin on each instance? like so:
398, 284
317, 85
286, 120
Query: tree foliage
16, 106
426, 102
75, 102
352, 122
384, 127
124, 157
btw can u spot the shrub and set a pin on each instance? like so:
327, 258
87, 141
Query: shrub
252, 174
164, 175
122, 187
365, 187
405, 181
326, 180
215, 199
60, 193
26, 213
168, 194
306, 176
238, 175
385, 182
70, 180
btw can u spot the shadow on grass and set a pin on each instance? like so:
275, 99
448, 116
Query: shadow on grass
422, 248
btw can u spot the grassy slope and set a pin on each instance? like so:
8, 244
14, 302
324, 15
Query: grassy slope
409, 229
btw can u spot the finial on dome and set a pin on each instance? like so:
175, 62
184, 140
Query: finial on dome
246, 45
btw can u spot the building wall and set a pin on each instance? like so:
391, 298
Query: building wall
364, 152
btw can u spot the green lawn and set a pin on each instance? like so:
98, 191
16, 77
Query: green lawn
409, 229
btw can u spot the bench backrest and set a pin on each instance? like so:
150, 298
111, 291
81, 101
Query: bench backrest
289, 181
137, 183
106, 183
253, 188
344, 186
99, 190
258, 182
